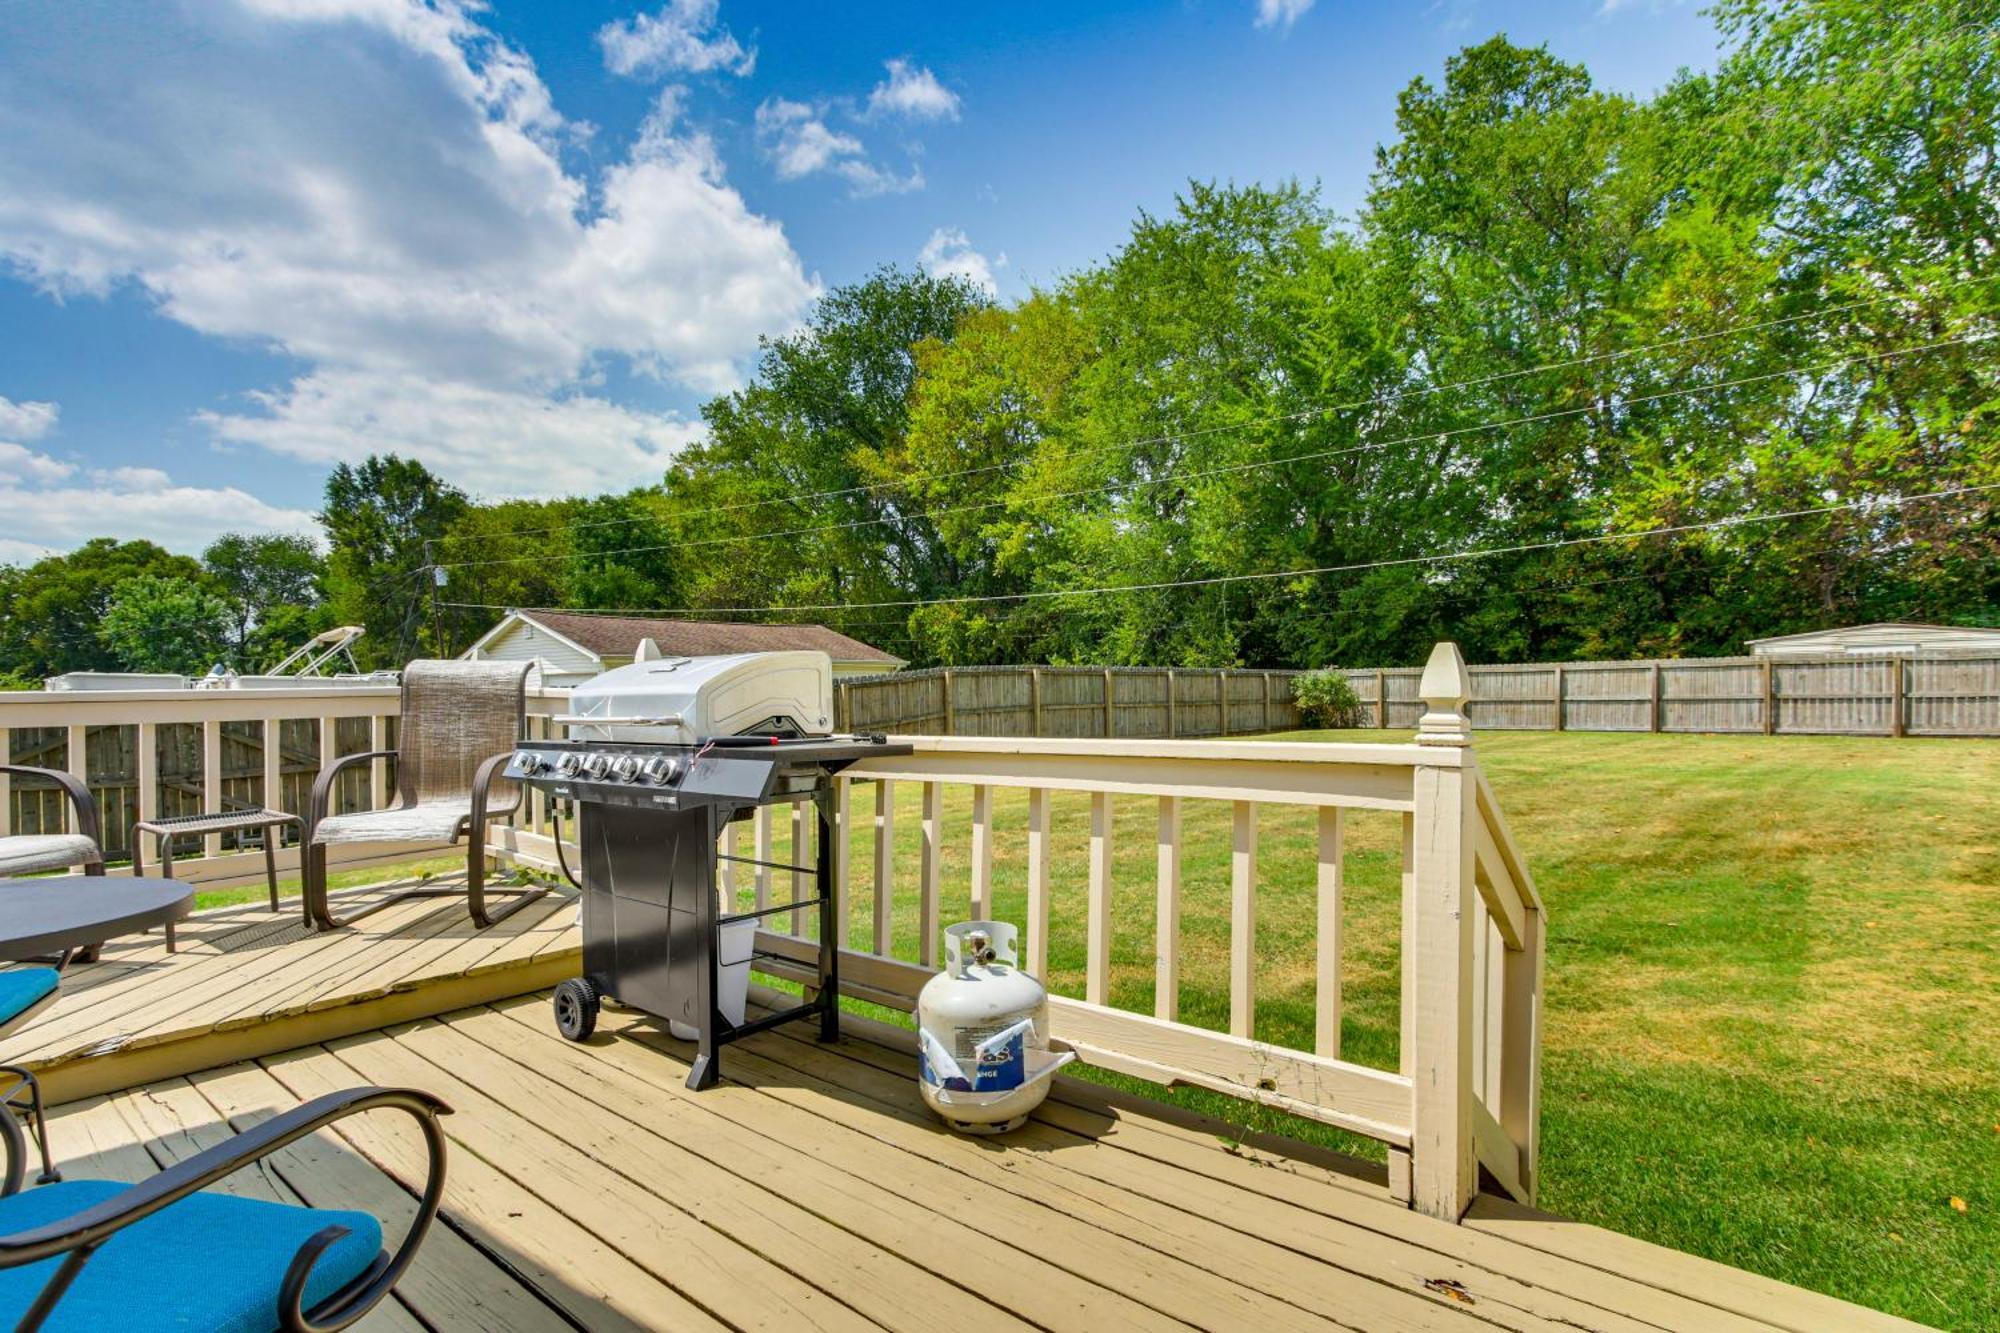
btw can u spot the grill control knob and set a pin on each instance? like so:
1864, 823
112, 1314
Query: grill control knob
624, 768
659, 771
593, 765
527, 763
569, 765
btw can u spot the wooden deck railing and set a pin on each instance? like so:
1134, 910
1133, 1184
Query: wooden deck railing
166, 752
1461, 1100
1465, 1095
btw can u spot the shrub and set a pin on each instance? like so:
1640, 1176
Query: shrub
1325, 699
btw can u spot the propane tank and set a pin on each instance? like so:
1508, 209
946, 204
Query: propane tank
983, 1033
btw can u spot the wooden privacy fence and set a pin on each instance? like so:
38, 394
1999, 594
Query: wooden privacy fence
1941, 695
1072, 702
1464, 1098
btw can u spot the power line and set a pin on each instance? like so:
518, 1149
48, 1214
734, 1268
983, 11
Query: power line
1482, 553
1381, 399
1316, 455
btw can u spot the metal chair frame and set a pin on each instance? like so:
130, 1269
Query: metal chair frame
78, 1236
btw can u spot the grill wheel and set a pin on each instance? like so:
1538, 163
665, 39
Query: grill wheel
577, 1002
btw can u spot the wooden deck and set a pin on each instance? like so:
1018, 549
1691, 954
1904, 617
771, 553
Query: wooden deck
247, 982
588, 1188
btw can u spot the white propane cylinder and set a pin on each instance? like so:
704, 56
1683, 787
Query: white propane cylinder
983, 1033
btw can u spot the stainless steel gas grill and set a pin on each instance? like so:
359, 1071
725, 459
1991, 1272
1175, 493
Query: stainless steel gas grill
662, 756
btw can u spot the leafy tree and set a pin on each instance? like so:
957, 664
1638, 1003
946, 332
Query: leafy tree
825, 415
165, 624
50, 610
380, 519
260, 576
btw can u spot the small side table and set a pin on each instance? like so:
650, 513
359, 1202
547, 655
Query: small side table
229, 821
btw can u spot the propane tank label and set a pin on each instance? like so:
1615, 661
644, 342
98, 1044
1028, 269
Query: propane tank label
1001, 1070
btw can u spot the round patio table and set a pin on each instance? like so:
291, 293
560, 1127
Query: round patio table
61, 914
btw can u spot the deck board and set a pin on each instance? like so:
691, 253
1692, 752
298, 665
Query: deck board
588, 1188
249, 982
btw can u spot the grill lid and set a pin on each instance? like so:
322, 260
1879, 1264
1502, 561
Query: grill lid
687, 700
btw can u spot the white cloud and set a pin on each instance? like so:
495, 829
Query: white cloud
678, 37
949, 254
495, 442
798, 141
26, 421
20, 465
912, 91
399, 215
130, 503
1281, 14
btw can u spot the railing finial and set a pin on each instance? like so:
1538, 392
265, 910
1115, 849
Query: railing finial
1444, 689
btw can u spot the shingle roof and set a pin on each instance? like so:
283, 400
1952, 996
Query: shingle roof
618, 636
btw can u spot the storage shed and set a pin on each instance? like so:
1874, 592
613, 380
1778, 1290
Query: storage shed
568, 647
1900, 637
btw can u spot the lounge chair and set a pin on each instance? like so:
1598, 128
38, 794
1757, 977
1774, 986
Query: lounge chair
31, 853
164, 1254
460, 722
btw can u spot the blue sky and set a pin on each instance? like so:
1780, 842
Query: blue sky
244, 240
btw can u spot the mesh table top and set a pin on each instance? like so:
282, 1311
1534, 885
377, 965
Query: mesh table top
226, 821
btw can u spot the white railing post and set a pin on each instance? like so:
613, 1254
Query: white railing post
930, 872
1243, 920
800, 838
982, 852
843, 824
76, 761
7, 783
1097, 924
274, 798
1038, 882
1443, 1161
885, 866
211, 780
378, 769
1520, 1106
1326, 1013
1167, 914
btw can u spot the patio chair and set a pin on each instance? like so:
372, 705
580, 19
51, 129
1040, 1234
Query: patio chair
167, 1254
460, 722
31, 853
25, 992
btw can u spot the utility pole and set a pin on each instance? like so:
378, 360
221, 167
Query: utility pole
435, 576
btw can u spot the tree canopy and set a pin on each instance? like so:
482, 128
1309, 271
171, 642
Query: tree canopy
1587, 375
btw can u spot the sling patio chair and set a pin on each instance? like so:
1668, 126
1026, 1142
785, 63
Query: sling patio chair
32, 853
460, 722
168, 1254
25, 993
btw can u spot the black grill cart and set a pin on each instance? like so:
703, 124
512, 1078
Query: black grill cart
648, 818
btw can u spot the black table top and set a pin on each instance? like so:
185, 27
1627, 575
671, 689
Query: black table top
45, 916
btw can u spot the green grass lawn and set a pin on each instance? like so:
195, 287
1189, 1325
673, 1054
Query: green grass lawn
288, 886
1773, 986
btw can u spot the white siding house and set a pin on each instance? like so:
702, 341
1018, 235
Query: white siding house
1888, 636
568, 648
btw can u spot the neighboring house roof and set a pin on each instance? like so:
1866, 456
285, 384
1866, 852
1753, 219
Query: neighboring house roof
1914, 627
618, 636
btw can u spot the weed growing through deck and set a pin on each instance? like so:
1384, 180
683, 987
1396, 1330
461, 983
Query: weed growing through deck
1772, 1032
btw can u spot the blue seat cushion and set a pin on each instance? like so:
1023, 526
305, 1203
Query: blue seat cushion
210, 1261
24, 987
